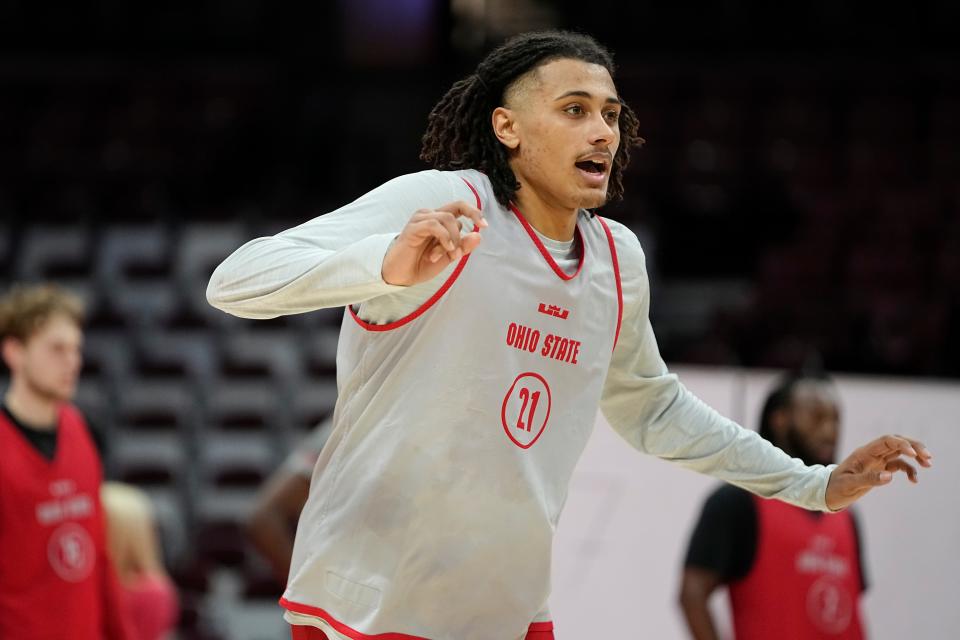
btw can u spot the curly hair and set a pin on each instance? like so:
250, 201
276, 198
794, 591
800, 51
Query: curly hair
459, 134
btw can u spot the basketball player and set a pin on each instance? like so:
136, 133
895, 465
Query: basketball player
791, 573
489, 313
280, 501
55, 579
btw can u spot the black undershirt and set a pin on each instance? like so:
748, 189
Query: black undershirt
44, 441
725, 537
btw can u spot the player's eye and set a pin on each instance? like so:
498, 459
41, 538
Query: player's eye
612, 115
574, 110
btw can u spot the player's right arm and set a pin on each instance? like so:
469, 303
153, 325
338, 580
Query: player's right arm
721, 550
339, 258
696, 585
429, 242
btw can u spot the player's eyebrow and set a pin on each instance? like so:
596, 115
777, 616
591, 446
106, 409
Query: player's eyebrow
588, 95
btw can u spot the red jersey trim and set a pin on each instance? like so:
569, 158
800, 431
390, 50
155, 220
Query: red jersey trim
419, 311
543, 250
350, 632
541, 626
616, 274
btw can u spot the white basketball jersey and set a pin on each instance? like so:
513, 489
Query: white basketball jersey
433, 506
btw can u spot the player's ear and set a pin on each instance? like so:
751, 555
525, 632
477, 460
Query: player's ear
12, 350
506, 127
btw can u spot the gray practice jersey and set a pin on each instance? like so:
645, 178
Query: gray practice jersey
458, 426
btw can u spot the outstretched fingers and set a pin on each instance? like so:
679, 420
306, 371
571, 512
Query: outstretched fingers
873, 465
892, 451
924, 457
894, 446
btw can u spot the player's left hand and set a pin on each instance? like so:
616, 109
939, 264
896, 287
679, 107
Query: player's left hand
873, 465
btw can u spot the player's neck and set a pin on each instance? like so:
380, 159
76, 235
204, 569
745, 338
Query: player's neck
556, 223
30, 408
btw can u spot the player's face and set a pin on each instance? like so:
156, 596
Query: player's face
51, 358
814, 422
567, 114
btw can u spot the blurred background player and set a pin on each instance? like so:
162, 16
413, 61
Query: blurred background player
273, 521
148, 593
55, 577
791, 573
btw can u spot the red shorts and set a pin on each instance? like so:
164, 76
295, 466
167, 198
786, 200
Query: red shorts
301, 632
312, 633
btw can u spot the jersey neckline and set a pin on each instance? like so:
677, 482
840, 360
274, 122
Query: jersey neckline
543, 250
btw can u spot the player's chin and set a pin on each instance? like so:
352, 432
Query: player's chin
593, 198
65, 392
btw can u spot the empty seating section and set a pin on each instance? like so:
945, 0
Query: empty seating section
830, 193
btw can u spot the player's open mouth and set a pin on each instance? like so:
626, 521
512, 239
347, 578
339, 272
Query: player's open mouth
592, 166
594, 169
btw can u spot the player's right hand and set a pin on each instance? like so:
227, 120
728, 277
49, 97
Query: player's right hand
429, 242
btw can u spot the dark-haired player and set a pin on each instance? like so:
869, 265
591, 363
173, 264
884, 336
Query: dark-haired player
791, 573
490, 313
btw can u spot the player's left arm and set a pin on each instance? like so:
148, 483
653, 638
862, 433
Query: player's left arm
117, 624
653, 411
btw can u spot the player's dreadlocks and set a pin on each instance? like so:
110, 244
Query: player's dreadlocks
459, 134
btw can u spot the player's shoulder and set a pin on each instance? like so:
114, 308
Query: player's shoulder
729, 498
91, 427
474, 185
623, 235
126, 500
630, 254
429, 178
72, 412
433, 187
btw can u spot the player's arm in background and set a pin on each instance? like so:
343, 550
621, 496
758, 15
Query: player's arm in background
117, 622
721, 550
335, 259
272, 522
133, 545
116, 618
